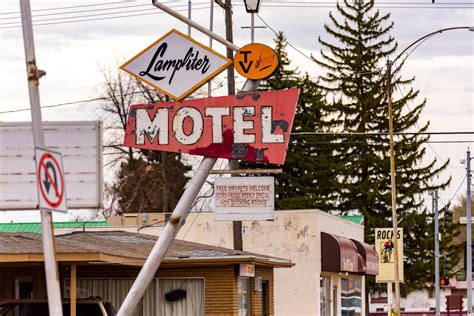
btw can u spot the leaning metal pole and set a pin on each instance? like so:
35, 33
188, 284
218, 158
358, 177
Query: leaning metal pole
152, 263
392, 180
49, 251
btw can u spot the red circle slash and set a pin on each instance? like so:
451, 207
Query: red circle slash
59, 190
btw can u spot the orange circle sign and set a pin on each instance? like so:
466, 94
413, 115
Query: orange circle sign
256, 61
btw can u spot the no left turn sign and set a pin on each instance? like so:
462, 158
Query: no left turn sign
50, 180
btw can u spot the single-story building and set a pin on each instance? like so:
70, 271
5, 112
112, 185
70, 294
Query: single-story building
216, 280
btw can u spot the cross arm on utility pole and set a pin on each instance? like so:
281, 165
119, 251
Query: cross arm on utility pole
221, 4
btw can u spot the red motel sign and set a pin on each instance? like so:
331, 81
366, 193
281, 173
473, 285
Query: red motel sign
253, 127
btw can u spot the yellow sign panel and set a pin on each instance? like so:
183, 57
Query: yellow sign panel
256, 61
385, 247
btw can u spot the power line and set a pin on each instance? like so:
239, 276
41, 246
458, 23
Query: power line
455, 193
383, 133
329, 4
286, 41
79, 11
82, 6
150, 8
99, 19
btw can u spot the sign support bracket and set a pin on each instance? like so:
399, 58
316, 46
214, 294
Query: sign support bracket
49, 251
195, 25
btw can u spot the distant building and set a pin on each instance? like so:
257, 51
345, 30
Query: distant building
330, 256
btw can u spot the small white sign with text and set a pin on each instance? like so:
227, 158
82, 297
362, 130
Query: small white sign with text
244, 198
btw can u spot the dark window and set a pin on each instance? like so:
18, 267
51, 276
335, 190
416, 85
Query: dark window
26, 289
91, 309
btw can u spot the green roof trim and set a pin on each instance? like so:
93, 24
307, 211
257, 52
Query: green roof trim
36, 227
356, 219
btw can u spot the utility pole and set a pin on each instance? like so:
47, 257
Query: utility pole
49, 251
436, 223
229, 36
393, 186
233, 164
468, 234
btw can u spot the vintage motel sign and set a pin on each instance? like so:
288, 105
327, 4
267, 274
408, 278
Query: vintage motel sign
176, 65
256, 61
385, 248
50, 178
253, 127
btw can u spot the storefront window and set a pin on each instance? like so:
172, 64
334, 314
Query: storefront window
351, 297
243, 293
325, 295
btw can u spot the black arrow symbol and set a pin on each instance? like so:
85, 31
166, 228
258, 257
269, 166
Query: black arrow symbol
49, 166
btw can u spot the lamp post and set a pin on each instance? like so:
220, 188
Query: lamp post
392, 172
252, 7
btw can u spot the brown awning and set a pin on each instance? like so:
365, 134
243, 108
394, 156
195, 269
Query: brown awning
338, 254
369, 255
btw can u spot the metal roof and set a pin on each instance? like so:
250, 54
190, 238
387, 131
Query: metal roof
357, 219
123, 247
36, 227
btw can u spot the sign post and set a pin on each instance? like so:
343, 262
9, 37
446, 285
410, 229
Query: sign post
49, 252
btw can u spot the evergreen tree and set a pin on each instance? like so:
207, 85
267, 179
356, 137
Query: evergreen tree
306, 180
355, 80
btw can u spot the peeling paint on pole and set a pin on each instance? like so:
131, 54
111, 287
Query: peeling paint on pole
253, 127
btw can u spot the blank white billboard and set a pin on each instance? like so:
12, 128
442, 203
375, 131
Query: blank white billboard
80, 144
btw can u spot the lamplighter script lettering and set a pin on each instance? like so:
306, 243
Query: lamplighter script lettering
159, 67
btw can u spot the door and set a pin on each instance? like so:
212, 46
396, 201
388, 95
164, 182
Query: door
265, 298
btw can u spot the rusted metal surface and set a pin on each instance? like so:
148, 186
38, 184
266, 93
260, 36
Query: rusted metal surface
252, 126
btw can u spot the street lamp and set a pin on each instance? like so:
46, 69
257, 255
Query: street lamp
252, 7
393, 189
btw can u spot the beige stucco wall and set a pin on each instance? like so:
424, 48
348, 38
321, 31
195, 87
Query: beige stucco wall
294, 235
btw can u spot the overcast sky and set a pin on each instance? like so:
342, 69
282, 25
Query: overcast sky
71, 53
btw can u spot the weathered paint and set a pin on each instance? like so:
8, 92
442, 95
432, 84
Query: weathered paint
253, 127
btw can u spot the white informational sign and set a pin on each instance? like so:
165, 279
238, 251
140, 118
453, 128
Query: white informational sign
244, 198
247, 270
80, 144
50, 178
385, 247
176, 65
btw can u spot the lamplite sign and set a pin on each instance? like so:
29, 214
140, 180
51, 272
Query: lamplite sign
385, 247
256, 61
50, 177
244, 198
253, 127
176, 65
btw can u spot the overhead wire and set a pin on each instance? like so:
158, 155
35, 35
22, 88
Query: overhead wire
286, 41
454, 195
98, 19
277, 4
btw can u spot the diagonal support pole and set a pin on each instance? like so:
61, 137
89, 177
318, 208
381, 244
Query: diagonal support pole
152, 263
